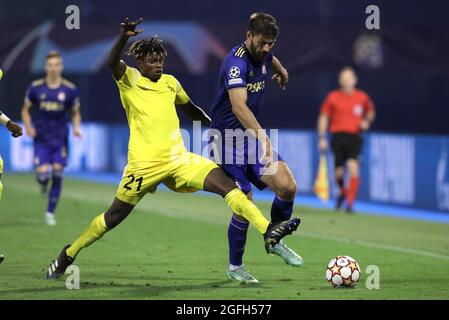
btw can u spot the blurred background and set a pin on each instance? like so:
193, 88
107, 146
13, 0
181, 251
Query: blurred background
404, 67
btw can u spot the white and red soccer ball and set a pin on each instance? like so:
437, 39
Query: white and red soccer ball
343, 271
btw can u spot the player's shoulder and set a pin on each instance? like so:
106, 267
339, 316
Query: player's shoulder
361, 93
333, 94
169, 78
37, 83
68, 84
237, 55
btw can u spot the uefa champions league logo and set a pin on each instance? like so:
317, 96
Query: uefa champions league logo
234, 72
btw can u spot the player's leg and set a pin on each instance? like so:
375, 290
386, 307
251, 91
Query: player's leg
283, 183
237, 234
279, 178
238, 227
353, 165
55, 192
339, 163
136, 182
101, 224
218, 182
42, 164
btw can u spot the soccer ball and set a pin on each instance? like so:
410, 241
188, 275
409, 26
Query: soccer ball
343, 271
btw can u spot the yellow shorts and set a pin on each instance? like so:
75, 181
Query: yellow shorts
184, 174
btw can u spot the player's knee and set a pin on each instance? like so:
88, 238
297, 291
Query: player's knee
287, 190
43, 169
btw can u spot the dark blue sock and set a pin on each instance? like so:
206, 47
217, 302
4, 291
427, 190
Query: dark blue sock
237, 239
281, 210
42, 178
55, 191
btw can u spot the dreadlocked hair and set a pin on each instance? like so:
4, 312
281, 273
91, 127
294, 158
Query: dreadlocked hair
146, 47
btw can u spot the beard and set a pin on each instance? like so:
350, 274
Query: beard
259, 56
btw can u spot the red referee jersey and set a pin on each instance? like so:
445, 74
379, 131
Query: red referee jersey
346, 111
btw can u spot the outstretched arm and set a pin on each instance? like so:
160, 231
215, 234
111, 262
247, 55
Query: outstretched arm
196, 113
128, 29
13, 127
280, 73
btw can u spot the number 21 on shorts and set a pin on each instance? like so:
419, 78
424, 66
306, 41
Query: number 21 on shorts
133, 183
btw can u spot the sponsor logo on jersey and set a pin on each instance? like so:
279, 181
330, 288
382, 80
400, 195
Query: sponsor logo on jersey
61, 96
256, 86
358, 110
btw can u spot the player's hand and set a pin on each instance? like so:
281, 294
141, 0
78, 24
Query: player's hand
31, 132
267, 150
77, 133
14, 128
364, 125
281, 78
129, 27
322, 144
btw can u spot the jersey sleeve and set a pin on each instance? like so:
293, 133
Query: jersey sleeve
30, 95
181, 95
74, 102
129, 78
235, 72
326, 107
369, 104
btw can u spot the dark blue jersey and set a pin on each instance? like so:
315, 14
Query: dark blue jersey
239, 70
52, 108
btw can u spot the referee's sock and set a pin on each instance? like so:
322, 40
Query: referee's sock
354, 183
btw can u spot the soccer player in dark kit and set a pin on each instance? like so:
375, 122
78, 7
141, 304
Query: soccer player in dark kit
53, 99
238, 99
349, 111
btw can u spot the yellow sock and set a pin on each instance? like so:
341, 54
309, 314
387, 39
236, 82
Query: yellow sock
240, 205
94, 232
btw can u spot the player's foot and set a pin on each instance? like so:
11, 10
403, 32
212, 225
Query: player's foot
50, 219
276, 232
57, 267
290, 257
43, 188
349, 209
339, 202
242, 275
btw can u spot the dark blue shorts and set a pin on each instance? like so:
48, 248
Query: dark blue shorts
50, 154
246, 174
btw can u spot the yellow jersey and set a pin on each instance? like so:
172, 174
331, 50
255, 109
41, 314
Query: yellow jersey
153, 122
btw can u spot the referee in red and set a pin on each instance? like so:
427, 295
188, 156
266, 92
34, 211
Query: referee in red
348, 112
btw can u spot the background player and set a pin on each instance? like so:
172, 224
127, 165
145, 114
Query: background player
349, 111
54, 99
243, 76
16, 131
156, 151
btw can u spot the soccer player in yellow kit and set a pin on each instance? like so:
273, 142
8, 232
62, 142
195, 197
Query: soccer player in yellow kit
16, 131
156, 151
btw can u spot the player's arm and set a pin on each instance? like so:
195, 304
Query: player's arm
76, 119
128, 29
238, 97
196, 113
26, 118
370, 115
280, 73
323, 124
13, 127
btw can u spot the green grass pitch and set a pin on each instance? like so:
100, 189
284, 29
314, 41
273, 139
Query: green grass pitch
174, 246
